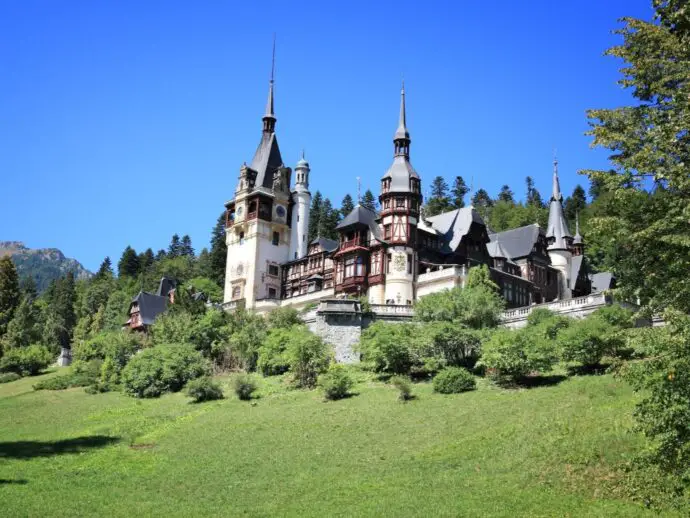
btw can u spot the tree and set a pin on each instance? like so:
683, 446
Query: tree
28, 287
105, 270
439, 201
219, 251
459, 192
482, 199
186, 247
23, 329
648, 208
506, 194
575, 204
128, 265
146, 260
329, 219
369, 200
346, 205
161, 254
533, 196
175, 247
9, 292
315, 216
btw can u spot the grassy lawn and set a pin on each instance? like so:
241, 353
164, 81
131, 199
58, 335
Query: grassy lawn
546, 451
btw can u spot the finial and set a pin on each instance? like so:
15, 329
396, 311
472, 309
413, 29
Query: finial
556, 193
269, 104
303, 154
273, 58
359, 190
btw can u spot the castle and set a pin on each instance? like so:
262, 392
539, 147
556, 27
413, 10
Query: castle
392, 257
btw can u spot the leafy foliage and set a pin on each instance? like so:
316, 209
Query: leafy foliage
404, 386
7, 377
9, 292
244, 386
203, 389
336, 383
585, 341
388, 348
512, 355
454, 380
164, 368
26, 361
307, 355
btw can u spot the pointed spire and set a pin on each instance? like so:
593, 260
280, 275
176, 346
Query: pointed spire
577, 239
556, 194
269, 117
557, 232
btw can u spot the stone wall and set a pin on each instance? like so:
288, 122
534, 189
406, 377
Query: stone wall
339, 323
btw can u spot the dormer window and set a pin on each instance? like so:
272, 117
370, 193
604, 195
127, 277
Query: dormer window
400, 202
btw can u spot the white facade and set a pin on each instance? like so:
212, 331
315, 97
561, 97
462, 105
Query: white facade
301, 198
562, 260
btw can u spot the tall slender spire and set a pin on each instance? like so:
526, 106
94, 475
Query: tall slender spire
577, 239
269, 117
402, 136
557, 232
556, 194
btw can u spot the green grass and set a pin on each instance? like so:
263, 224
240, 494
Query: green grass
546, 451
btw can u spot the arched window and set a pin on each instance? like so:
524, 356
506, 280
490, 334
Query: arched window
236, 292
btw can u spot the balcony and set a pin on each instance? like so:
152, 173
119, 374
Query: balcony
233, 305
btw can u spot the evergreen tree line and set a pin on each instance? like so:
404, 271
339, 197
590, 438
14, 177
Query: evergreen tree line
324, 217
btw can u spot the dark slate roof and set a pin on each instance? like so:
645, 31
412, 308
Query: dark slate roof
361, 215
602, 281
518, 242
454, 225
150, 306
166, 286
326, 244
400, 173
575, 265
496, 250
266, 160
557, 229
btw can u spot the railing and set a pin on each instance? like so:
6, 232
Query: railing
353, 281
560, 306
232, 305
391, 309
451, 271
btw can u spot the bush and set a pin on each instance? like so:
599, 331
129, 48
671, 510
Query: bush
163, 368
283, 318
307, 355
404, 387
9, 376
585, 342
83, 374
244, 386
539, 315
452, 343
387, 348
336, 382
272, 358
511, 355
118, 345
26, 361
454, 380
203, 389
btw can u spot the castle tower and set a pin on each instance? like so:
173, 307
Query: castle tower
257, 228
559, 239
301, 199
400, 200
578, 241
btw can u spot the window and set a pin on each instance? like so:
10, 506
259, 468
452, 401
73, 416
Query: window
349, 267
241, 238
236, 292
388, 265
409, 263
400, 202
359, 271
273, 269
276, 238
386, 232
272, 293
387, 204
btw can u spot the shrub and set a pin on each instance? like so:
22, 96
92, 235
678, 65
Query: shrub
511, 355
283, 318
26, 361
404, 387
163, 368
272, 358
452, 343
9, 376
307, 355
173, 327
454, 380
539, 315
615, 315
336, 382
203, 389
585, 342
244, 386
387, 348
83, 374
118, 345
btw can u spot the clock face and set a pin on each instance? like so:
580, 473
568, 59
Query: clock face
280, 211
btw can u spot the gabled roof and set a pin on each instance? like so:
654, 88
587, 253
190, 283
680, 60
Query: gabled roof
496, 250
575, 266
602, 281
518, 242
557, 229
166, 286
326, 244
454, 225
361, 215
400, 173
266, 160
150, 306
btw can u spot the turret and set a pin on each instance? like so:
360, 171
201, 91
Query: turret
301, 199
578, 241
559, 238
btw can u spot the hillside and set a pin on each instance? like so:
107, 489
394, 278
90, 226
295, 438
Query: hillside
545, 451
43, 264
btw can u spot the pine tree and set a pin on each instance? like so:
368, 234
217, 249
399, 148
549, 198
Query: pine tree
315, 215
439, 201
23, 329
329, 218
482, 199
459, 192
575, 203
219, 251
175, 247
369, 200
146, 260
186, 247
128, 266
61, 317
346, 205
506, 194
28, 287
105, 271
161, 254
10, 296
533, 196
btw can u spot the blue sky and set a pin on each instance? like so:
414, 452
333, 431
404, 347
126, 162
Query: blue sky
122, 123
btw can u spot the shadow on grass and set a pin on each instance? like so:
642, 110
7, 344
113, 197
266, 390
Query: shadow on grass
588, 370
530, 382
31, 449
8, 481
